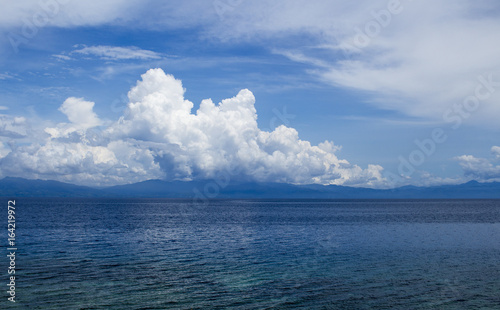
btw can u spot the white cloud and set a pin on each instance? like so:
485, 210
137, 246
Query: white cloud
225, 137
8, 76
116, 52
80, 114
13, 127
66, 13
425, 179
4, 150
70, 162
5, 76
160, 137
62, 57
420, 60
496, 151
481, 169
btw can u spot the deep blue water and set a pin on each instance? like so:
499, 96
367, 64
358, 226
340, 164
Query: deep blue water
251, 254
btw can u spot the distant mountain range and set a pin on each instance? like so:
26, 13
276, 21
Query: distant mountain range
202, 190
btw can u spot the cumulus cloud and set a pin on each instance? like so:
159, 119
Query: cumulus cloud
4, 150
80, 114
225, 137
13, 127
481, 169
496, 151
160, 137
116, 52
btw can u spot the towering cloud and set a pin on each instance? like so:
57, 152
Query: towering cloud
80, 114
160, 137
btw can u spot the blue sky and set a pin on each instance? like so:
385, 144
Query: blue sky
368, 77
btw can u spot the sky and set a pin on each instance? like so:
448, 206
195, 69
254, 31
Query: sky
376, 94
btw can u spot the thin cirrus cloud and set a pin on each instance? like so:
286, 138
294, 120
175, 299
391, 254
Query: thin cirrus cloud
159, 137
106, 52
66, 13
5, 76
117, 52
427, 54
419, 58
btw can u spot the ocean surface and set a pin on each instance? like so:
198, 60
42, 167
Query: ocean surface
255, 254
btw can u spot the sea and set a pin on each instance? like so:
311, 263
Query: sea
254, 254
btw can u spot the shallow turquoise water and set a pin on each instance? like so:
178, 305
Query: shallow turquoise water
251, 254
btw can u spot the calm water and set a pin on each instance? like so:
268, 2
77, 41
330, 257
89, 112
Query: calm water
243, 254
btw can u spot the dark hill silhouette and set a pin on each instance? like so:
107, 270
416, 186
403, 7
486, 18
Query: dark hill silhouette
201, 190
